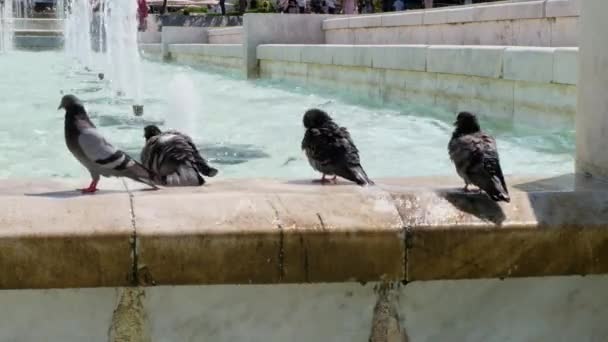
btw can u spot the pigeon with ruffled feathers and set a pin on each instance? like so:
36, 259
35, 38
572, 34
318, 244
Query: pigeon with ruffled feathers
173, 156
476, 158
94, 152
330, 148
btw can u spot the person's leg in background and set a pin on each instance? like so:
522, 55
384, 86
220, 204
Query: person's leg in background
302, 6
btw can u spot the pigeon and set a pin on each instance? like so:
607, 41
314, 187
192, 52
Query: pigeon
174, 157
330, 149
476, 159
94, 152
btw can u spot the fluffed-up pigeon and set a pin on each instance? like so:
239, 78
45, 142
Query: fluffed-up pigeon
330, 148
476, 159
173, 156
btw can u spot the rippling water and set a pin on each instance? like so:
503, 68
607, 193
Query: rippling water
247, 129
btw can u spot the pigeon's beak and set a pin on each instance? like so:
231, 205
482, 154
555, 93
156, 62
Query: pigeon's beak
60, 106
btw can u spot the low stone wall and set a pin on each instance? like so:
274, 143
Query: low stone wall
151, 51
527, 23
224, 56
198, 20
226, 36
537, 309
34, 41
38, 24
391, 251
296, 232
522, 84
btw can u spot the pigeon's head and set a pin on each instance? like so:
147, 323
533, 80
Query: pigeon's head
101, 76
69, 102
467, 122
314, 118
151, 131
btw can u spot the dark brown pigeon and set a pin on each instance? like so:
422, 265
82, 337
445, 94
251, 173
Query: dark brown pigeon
174, 158
476, 159
330, 149
94, 152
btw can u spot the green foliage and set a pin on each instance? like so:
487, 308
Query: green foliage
192, 10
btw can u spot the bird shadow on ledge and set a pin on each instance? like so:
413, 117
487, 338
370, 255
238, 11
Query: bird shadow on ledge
317, 182
476, 204
72, 193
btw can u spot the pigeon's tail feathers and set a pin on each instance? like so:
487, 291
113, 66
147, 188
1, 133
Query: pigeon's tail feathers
356, 174
138, 173
495, 186
185, 175
205, 169
496, 191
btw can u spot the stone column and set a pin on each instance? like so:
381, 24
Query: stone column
592, 111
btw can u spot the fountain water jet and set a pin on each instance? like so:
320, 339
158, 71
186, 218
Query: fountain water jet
112, 33
77, 35
6, 25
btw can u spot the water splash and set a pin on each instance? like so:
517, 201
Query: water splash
23, 8
122, 54
77, 33
60, 9
185, 104
6, 26
103, 38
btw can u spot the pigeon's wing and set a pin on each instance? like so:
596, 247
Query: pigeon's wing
333, 149
491, 160
188, 145
345, 142
172, 157
98, 150
149, 152
350, 168
464, 151
109, 161
476, 159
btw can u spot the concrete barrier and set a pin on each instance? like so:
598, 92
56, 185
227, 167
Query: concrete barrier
151, 51
232, 35
181, 35
527, 23
522, 85
278, 29
383, 259
149, 37
224, 56
276, 232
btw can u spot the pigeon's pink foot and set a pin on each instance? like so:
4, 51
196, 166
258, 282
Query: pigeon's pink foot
91, 189
322, 180
335, 179
466, 188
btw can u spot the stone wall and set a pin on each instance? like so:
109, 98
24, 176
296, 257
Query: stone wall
270, 264
547, 309
199, 20
223, 56
528, 23
233, 35
524, 85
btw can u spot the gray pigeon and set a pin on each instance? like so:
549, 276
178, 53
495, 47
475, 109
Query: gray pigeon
476, 159
330, 149
174, 158
94, 152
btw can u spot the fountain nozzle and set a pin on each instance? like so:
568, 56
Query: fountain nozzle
138, 110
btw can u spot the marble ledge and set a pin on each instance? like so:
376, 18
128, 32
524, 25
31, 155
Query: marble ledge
271, 231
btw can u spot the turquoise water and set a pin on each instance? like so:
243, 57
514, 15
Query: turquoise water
246, 129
